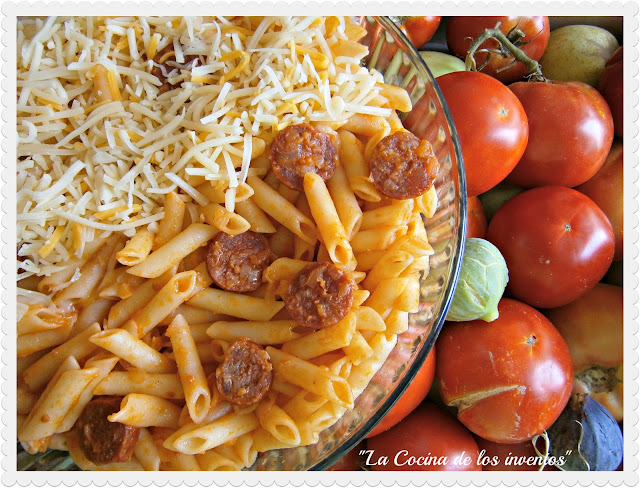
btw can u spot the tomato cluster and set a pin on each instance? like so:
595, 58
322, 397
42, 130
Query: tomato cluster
543, 162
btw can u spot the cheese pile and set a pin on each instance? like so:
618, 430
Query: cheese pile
101, 142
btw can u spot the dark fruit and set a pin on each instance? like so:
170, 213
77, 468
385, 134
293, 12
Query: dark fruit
587, 436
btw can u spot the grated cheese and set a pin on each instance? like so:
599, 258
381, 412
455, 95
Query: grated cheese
93, 165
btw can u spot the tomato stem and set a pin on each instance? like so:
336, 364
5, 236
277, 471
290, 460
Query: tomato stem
534, 71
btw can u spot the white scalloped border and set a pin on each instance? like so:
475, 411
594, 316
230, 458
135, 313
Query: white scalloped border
629, 476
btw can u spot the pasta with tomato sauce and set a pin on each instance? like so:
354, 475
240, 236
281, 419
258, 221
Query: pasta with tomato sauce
202, 204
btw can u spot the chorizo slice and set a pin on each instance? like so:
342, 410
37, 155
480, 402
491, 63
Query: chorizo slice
244, 375
403, 166
301, 149
235, 263
101, 441
168, 66
319, 295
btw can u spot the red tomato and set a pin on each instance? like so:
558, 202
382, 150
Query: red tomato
419, 30
476, 219
351, 461
412, 396
429, 439
570, 133
491, 126
606, 189
610, 86
509, 378
592, 325
557, 244
507, 457
462, 30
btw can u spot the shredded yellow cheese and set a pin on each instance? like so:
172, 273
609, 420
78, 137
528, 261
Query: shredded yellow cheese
51, 242
106, 132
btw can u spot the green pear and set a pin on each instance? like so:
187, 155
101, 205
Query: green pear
440, 63
578, 53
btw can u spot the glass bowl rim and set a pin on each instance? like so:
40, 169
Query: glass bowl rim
456, 259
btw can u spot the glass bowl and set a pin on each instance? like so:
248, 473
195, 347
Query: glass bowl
392, 54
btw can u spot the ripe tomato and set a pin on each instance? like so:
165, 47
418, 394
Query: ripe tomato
557, 244
491, 126
592, 328
605, 188
419, 30
412, 396
430, 433
610, 87
476, 219
507, 457
509, 378
462, 30
570, 133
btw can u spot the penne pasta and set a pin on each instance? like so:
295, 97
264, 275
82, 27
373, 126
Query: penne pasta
258, 220
48, 414
196, 390
346, 203
326, 217
310, 377
364, 124
95, 312
260, 332
171, 223
133, 350
275, 420
368, 319
78, 347
324, 340
356, 167
172, 460
358, 350
235, 305
120, 383
136, 249
391, 265
212, 461
91, 272
377, 239
146, 451
427, 203
196, 439
103, 365
170, 254
397, 322
396, 214
398, 97
386, 294
177, 290
220, 218
52, 282
141, 410
283, 211
28, 344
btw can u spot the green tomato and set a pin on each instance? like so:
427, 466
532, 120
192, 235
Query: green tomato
483, 278
493, 199
440, 63
578, 53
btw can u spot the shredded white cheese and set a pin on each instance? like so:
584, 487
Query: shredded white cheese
114, 113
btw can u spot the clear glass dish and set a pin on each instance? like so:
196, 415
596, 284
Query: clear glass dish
393, 55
